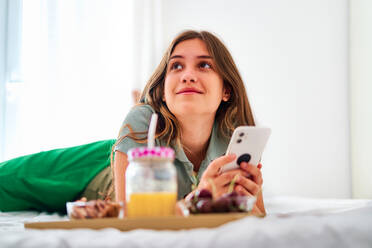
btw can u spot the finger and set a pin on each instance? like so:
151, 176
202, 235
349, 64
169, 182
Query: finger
249, 185
214, 167
259, 166
227, 177
241, 190
253, 171
256, 211
221, 191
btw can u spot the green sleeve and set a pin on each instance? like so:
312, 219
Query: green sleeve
45, 181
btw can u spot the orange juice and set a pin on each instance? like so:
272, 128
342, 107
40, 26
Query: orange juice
151, 204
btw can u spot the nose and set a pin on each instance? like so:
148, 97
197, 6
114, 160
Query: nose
189, 77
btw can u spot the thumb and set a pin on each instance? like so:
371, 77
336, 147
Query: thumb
215, 166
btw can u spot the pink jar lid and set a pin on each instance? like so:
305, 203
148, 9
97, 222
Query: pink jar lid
156, 152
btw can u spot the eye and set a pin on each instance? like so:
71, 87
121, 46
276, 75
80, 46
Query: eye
176, 66
205, 65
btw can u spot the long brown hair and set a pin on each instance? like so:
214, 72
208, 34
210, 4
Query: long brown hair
231, 114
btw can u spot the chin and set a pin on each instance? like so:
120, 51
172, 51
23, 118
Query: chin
188, 109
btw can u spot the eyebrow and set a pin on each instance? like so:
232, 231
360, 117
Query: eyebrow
199, 57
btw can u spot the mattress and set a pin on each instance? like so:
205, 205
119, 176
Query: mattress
291, 221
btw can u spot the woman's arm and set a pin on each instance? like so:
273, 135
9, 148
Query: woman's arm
120, 166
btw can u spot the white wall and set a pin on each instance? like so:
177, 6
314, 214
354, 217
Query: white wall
292, 55
361, 93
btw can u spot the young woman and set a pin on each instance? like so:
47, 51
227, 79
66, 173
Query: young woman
200, 98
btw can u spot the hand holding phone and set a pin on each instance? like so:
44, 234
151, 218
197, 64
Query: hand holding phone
248, 143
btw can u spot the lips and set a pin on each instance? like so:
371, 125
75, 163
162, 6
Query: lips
189, 91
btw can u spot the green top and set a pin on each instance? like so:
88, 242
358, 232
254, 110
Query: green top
139, 119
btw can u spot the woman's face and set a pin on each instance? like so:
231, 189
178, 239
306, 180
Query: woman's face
192, 84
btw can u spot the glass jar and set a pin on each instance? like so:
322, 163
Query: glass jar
150, 182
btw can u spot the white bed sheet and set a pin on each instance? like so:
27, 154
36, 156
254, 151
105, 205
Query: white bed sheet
291, 222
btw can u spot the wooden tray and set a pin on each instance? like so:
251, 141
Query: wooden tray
155, 223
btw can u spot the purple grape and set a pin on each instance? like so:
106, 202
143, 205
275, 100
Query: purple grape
222, 204
204, 193
204, 206
231, 194
201, 194
202, 202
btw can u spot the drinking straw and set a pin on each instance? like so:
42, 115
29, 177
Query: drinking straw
152, 129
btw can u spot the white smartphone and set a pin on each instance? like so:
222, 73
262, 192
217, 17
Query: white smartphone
248, 143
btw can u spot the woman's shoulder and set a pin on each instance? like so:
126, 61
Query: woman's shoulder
139, 115
136, 121
141, 110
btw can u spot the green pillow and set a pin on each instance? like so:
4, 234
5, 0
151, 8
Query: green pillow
45, 181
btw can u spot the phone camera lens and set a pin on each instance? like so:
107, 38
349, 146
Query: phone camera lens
241, 134
239, 140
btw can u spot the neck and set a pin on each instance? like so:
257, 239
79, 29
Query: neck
195, 134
